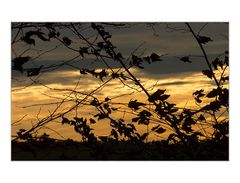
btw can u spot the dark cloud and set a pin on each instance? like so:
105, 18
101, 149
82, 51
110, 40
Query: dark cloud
175, 83
174, 43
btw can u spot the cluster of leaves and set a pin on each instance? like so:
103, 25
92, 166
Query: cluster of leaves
23, 135
103, 73
120, 128
104, 108
221, 99
28, 37
143, 117
221, 131
82, 127
218, 64
220, 95
106, 44
162, 106
18, 62
137, 61
180, 122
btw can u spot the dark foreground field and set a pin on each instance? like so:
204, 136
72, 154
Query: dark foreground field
70, 150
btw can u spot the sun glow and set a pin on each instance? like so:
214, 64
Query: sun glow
39, 100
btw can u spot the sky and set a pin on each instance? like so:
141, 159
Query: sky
168, 39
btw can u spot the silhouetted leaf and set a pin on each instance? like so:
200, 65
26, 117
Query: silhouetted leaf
198, 100
225, 78
173, 110
226, 60
21, 130
217, 63
144, 117
155, 57
213, 106
115, 75
83, 71
198, 94
34, 71
65, 120
147, 59
19, 61
156, 95
38, 33
208, 73
132, 126
92, 121
135, 119
28, 40
67, 41
107, 99
114, 109
95, 102
144, 136
137, 61
213, 93
204, 39
164, 97
185, 59
135, 105
40, 36
102, 74
28, 37
114, 134
99, 75
224, 97
187, 124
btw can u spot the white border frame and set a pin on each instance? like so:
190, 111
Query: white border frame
124, 10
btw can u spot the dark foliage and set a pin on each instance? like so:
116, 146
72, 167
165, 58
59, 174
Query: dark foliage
124, 142
108, 149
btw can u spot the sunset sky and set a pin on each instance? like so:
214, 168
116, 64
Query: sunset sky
178, 78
